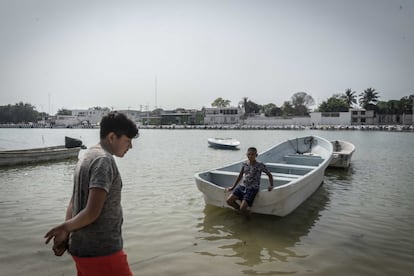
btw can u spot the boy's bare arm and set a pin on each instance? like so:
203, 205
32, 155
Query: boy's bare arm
239, 177
96, 200
85, 217
270, 180
59, 247
69, 209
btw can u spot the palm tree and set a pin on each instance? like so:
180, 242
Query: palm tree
350, 97
368, 97
220, 102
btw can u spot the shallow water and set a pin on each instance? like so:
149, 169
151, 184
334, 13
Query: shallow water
359, 222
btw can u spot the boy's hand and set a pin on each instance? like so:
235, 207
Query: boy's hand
60, 248
59, 234
229, 189
60, 238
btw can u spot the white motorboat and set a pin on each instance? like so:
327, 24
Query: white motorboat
297, 165
223, 143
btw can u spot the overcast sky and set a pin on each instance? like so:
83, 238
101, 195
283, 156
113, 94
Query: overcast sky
132, 54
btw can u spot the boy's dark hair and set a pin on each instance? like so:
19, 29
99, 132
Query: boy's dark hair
119, 124
252, 148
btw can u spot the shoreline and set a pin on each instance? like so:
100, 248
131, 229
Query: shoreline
391, 128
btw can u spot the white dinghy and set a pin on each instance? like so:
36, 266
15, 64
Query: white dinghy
342, 154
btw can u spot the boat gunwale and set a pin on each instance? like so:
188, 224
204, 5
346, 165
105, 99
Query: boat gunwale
26, 157
346, 152
39, 150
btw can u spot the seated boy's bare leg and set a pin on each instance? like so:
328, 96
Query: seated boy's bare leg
244, 208
231, 200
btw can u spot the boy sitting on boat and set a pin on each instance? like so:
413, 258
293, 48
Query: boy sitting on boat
247, 190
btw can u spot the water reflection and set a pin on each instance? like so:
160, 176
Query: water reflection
263, 238
219, 149
39, 166
340, 173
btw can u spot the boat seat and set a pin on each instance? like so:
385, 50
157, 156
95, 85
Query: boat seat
307, 160
278, 176
293, 166
305, 156
289, 175
291, 169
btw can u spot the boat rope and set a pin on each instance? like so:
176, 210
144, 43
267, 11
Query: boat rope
306, 141
162, 255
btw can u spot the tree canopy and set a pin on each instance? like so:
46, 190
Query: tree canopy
402, 106
301, 102
19, 113
271, 110
64, 111
336, 103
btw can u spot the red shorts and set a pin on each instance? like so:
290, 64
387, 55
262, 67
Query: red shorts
115, 264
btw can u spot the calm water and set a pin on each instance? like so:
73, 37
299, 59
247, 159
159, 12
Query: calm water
360, 221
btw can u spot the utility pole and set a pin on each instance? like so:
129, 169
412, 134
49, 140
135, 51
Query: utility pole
48, 97
147, 108
155, 83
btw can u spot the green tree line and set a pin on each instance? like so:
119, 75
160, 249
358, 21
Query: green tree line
20, 113
26, 113
369, 100
298, 105
300, 102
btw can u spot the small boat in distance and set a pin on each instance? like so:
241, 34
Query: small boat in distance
223, 143
37, 155
298, 168
342, 154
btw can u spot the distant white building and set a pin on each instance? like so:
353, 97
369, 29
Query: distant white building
90, 116
66, 120
277, 121
330, 118
314, 119
134, 115
362, 117
222, 115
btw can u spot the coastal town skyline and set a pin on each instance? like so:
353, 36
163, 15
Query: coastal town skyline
184, 54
